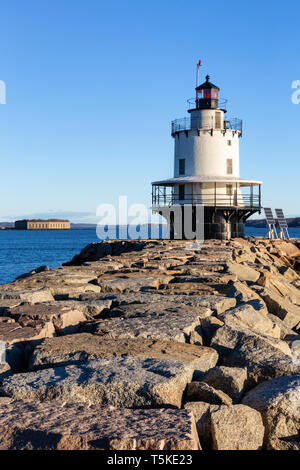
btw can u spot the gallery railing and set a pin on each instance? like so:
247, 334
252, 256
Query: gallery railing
218, 200
190, 123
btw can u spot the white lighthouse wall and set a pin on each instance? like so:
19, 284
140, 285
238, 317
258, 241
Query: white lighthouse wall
206, 154
206, 118
205, 151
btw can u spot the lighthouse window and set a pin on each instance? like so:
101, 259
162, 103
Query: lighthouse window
206, 93
229, 142
181, 166
218, 120
181, 192
229, 166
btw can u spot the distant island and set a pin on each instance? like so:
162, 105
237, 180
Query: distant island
73, 226
293, 222
11, 225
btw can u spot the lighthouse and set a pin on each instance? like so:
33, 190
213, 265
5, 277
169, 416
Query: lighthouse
207, 170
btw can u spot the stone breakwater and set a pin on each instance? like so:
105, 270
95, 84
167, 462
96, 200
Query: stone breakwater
150, 345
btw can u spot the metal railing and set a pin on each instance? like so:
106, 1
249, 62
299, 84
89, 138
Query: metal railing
216, 200
192, 103
190, 123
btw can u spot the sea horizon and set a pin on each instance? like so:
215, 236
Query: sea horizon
22, 251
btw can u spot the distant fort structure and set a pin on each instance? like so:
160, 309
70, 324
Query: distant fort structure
39, 224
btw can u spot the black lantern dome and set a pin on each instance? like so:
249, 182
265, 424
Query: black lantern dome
207, 95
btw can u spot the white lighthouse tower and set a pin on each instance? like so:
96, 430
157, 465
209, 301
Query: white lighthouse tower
207, 168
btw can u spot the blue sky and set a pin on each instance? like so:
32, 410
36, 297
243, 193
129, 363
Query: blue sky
92, 87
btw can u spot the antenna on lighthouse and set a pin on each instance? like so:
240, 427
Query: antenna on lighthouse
198, 67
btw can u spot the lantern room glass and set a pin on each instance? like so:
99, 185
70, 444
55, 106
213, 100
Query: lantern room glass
207, 94
210, 93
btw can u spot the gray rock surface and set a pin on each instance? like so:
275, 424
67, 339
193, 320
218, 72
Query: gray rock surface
203, 304
246, 316
200, 391
84, 347
157, 308
285, 443
168, 327
209, 327
243, 272
121, 382
227, 338
32, 296
144, 310
262, 360
236, 427
27, 425
284, 329
278, 401
133, 283
231, 380
202, 411
63, 318
288, 312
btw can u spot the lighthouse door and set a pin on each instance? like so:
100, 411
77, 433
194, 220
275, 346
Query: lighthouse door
235, 199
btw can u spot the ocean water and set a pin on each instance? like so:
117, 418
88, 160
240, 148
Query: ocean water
21, 250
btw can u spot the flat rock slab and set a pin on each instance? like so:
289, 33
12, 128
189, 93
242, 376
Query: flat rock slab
170, 327
64, 292
243, 272
8, 303
29, 425
121, 382
215, 303
11, 333
83, 347
32, 296
65, 318
96, 251
60, 284
88, 306
135, 283
93, 309
160, 308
